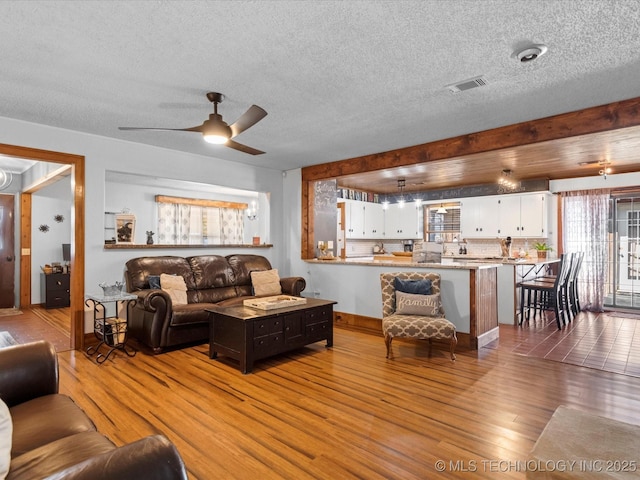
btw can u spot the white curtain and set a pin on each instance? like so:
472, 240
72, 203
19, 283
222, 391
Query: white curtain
180, 224
584, 223
173, 223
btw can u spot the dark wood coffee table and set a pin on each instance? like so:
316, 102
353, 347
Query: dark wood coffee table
248, 334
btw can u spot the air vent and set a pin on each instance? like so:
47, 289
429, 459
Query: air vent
467, 84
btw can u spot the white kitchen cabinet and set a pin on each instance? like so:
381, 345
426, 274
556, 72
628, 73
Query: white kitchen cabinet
479, 217
524, 215
364, 220
403, 223
373, 221
354, 219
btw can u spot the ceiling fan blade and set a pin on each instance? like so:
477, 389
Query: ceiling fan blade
247, 119
243, 148
192, 129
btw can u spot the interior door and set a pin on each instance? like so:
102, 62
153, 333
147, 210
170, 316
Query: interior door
7, 253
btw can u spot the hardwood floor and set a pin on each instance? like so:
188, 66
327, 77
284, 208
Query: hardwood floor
344, 412
37, 323
347, 412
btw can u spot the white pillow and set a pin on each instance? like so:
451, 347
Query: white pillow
176, 287
6, 435
266, 282
414, 304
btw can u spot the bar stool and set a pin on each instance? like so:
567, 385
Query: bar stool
572, 287
548, 295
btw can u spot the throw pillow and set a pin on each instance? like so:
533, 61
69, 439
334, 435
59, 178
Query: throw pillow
154, 281
414, 304
266, 283
422, 287
6, 434
176, 287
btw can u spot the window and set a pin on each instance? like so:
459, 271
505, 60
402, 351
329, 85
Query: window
183, 221
442, 226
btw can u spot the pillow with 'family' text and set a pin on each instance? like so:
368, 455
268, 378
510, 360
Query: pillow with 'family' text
415, 304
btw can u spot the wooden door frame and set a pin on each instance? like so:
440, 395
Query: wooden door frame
77, 232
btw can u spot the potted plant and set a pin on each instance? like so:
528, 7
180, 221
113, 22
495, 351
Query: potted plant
542, 248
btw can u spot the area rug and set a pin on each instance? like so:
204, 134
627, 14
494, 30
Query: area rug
5, 312
6, 340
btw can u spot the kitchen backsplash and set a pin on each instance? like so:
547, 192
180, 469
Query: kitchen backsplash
491, 247
475, 247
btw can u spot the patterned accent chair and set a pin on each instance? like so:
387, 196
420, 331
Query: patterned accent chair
413, 326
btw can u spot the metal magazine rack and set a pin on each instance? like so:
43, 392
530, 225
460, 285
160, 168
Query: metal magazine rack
111, 330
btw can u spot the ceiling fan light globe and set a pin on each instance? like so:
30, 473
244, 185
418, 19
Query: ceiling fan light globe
215, 130
215, 138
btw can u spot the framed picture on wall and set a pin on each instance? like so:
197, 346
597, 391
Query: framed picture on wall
125, 228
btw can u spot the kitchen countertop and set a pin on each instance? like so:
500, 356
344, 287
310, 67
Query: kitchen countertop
393, 260
461, 262
503, 261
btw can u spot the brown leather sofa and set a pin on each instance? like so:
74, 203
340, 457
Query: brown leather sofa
210, 279
54, 439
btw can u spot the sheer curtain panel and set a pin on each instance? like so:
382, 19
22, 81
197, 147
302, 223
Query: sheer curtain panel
585, 219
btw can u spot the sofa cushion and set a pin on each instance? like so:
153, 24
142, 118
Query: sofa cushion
211, 271
190, 314
58, 455
139, 269
45, 419
266, 283
242, 266
176, 287
154, 281
422, 287
6, 433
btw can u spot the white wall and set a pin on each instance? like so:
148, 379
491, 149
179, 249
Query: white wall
597, 181
52, 200
103, 154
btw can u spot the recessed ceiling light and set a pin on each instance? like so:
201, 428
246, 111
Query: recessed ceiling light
530, 53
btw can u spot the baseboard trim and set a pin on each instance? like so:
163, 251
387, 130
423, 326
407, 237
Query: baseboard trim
488, 337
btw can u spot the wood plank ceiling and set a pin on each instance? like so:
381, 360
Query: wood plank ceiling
572, 145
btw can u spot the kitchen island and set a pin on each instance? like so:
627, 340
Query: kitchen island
469, 293
515, 271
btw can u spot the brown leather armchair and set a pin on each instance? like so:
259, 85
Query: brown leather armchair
54, 439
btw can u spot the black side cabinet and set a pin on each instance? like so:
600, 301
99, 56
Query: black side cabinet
55, 290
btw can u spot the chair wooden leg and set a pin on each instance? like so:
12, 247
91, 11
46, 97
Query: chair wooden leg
454, 342
387, 341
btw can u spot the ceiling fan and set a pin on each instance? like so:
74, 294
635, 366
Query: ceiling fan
215, 130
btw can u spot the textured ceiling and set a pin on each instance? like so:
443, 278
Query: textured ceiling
339, 79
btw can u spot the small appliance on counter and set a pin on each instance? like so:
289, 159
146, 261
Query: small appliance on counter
407, 245
429, 252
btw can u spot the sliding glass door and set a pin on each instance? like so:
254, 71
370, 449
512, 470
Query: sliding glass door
624, 270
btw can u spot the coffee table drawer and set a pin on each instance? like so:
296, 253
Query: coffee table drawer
318, 315
267, 345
